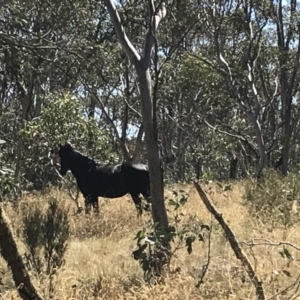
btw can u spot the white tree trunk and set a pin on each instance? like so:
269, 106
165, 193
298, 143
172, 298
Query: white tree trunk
156, 182
142, 65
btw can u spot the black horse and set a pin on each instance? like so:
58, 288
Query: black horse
111, 181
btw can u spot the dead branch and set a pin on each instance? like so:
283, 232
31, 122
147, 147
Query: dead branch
124, 98
266, 242
236, 136
286, 289
9, 251
205, 266
74, 198
234, 243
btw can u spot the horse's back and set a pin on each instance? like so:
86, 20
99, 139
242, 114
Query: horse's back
136, 176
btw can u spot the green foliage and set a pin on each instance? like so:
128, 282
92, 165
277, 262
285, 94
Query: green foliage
61, 120
273, 199
46, 234
8, 188
209, 176
153, 244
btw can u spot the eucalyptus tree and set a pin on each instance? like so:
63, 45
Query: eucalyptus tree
254, 46
142, 66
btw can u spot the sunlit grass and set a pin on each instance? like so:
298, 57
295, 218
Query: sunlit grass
99, 264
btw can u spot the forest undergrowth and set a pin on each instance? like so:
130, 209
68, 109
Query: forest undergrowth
98, 262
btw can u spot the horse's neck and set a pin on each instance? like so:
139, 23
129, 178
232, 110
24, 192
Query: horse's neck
81, 166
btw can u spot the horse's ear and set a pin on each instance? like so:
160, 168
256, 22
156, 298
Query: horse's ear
69, 145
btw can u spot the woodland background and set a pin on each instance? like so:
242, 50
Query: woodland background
225, 82
225, 79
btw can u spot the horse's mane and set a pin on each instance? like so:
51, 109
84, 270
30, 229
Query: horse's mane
90, 161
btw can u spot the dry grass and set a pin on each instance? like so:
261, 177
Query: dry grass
99, 263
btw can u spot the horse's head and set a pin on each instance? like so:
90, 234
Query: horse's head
65, 153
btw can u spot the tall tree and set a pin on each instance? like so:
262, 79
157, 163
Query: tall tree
286, 18
142, 66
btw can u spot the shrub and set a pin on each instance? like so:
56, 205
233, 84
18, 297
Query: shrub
8, 188
45, 234
153, 250
64, 118
272, 198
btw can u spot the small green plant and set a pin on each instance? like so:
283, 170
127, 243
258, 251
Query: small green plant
46, 235
272, 198
209, 176
8, 188
153, 245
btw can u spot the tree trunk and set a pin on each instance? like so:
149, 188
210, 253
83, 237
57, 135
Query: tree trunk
286, 101
263, 155
233, 165
159, 213
9, 251
142, 66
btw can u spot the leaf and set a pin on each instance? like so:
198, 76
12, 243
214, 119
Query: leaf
140, 235
183, 200
288, 254
188, 242
182, 232
138, 254
5, 171
219, 185
200, 237
172, 202
287, 273
203, 226
175, 193
146, 265
227, 188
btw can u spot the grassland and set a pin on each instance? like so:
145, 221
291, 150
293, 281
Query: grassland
99, 263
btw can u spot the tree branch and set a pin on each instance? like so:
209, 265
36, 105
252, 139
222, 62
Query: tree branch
130, 92
150, 35
138, 144
236, 136
263, 241
120, 31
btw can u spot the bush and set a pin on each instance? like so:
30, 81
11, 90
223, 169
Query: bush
8, 188
153, 245
272, 199
45, 234
63, 119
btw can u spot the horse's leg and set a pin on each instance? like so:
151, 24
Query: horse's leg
94, 202
138, 203
87, 202
147, 196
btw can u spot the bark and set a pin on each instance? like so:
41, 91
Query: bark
156, 184
289, 73
142, 66
9, 252
233, 165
